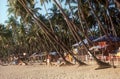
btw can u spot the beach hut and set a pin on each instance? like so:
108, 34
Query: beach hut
79, 50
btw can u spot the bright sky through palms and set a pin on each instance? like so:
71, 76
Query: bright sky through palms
4, 14
3, 11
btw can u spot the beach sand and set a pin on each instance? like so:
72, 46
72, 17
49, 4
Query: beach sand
54, 72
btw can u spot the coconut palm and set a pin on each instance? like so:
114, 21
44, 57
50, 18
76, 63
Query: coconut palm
59, 36
43, 3
100, 63
50, 34
5, 41
117, 3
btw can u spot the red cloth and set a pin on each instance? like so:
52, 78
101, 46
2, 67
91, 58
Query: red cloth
102, 44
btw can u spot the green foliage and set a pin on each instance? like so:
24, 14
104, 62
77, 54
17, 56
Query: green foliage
23, 34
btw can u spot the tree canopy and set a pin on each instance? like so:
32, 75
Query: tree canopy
65, 23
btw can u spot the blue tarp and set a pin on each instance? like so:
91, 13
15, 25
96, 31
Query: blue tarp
85, 41
104, 38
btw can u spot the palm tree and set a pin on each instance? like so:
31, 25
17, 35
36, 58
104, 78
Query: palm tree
5, 41
99, 22
13, 24
70, 7
117, 3
43, 3
54, 38
60, 43
49, 33
107, 14
100, 63
84, 13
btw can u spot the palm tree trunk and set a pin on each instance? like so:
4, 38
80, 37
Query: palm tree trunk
48, 18
59, 52
82, 14
51, 35
109, 17
71, 25
99, 23
100, 63
113, 29
72, 29
117, 3
67, 62
47, 31
80, 18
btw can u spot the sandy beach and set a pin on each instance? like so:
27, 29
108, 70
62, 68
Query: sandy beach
54, 72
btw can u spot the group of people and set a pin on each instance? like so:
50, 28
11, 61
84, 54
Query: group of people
15, 60
58, 60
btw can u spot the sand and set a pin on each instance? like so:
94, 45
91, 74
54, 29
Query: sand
54, 72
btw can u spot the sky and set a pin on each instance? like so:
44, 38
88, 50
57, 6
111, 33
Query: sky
4, 14
3, 11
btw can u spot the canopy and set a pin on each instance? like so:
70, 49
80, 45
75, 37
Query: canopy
37, 55
95, 48
80, 43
